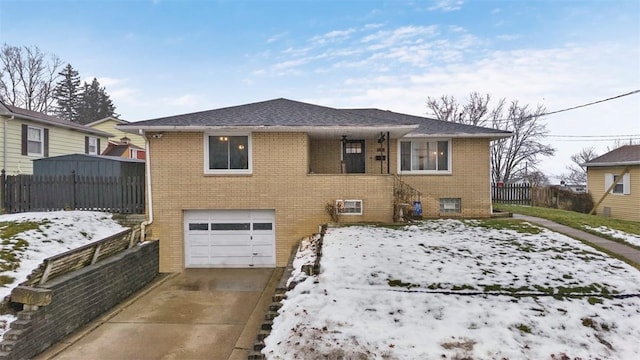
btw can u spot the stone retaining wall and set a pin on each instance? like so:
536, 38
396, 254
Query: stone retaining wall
57, 308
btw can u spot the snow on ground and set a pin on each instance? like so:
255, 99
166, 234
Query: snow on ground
458, 289
632, 239
59, 231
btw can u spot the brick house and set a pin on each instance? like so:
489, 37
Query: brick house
613, 180
239, 186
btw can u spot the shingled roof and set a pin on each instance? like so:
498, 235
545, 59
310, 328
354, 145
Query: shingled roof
285, 113
624, 155
10, 110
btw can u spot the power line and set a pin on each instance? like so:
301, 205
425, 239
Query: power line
493, 121
592, 103
585, 140
594, 136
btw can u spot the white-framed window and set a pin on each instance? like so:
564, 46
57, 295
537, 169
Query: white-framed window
622, 187
450, 205
92, 147
35, 141
349, 207
227, 153
424, 156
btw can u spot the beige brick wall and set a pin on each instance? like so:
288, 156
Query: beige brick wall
625, 207
469, 180
280, 181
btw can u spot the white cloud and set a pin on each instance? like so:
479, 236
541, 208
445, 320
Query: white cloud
447, 5
335, 35
276, 37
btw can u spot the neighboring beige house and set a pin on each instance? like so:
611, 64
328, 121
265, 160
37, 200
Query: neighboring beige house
26, 135
240, 186
109, 124
622, 167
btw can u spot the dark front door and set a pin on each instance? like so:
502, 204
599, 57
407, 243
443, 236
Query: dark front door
353, 156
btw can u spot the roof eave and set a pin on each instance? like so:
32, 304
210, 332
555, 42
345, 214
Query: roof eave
132, 128
88, 130
492, 136
612, 163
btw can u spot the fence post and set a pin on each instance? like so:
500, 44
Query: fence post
73, 173
3, 189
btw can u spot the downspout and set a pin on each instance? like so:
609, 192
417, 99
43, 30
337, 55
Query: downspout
490, 182
147, 164
4, 144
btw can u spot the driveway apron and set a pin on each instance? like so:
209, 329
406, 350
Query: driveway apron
196, 314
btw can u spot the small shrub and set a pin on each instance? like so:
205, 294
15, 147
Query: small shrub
332, 210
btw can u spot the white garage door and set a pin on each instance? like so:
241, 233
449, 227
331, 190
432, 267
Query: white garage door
229, 238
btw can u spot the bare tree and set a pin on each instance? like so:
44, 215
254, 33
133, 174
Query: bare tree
512, 157
578, 174
537, 178
28, 77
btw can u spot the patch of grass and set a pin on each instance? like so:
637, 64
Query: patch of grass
507, 224
434, 286
399, 283
462, 287
575, 220
6, 279
523, 328
492, 288
11, 229
589, 322
594, 300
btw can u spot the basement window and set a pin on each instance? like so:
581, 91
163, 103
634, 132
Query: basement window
349, 207
450, 205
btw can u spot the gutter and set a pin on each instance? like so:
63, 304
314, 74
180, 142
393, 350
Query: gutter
4, 144
147, 165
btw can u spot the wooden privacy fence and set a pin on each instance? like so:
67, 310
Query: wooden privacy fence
516, 194
21, 193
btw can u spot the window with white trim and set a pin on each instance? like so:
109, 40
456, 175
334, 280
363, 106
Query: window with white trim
622, 187
450, 205
35, 141
227, 154
93, 146
349, 207
425, 156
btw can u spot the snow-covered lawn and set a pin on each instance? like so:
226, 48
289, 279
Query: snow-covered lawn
632, 239
45, 234
453, 289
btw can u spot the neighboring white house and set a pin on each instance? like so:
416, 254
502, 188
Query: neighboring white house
26, 135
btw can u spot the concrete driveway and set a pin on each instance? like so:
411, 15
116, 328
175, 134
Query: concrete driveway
196, 314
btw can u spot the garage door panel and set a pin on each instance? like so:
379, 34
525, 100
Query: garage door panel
262, 250
230, 250
233, 238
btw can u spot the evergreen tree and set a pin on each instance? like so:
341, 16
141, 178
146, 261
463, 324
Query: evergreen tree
95, 103
67, 94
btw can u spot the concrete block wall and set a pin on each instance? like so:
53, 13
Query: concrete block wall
78, 298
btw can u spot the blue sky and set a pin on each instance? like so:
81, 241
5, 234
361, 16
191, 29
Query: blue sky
158, 58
